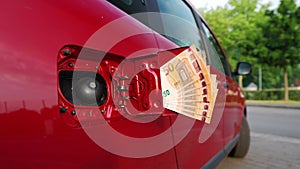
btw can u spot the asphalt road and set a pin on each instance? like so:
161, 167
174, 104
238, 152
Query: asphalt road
275, 140
275, 121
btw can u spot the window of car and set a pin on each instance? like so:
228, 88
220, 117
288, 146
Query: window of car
179, 23
175, 20
179, 26
133, 7
216, 55
130, 6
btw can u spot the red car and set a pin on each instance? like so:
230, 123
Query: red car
116, 84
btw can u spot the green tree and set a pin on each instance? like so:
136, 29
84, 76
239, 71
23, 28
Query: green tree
238, 27
282, 38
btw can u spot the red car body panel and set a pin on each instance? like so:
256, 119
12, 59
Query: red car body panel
34, 134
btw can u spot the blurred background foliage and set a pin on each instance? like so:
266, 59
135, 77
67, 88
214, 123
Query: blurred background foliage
269, 39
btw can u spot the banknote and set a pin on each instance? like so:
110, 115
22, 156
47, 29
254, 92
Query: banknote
188, 87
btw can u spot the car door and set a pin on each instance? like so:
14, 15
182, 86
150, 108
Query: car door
233, 109
204, 141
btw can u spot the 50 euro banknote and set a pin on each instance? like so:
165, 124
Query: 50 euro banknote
188, 87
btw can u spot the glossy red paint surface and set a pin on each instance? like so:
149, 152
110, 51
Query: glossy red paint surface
34, 134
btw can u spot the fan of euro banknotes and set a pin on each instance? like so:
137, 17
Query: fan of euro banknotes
188, 87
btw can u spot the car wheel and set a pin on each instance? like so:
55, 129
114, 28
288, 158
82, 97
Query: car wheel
242, 147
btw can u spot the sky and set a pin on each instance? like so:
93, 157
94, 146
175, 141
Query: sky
214, 3
208, 3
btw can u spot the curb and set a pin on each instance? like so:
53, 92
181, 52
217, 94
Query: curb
284, 106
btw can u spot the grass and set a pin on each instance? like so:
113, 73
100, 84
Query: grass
273, 101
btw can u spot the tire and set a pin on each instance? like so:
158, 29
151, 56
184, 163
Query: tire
242, 147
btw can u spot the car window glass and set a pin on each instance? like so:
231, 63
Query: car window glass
179, 24
176, 22
217, 57
130, 6
133, 7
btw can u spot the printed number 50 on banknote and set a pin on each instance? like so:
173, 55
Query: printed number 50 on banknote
188, 87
